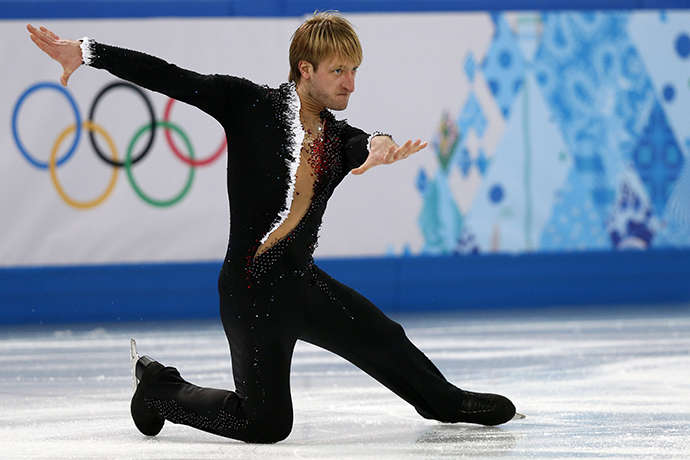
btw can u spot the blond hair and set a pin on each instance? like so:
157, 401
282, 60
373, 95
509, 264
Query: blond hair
324, 35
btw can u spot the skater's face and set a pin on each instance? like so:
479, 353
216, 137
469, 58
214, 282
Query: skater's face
331, 83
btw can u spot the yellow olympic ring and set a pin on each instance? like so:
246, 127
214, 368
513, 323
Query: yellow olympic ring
52, 165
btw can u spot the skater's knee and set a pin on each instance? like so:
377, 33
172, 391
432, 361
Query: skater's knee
274, 436
268, 431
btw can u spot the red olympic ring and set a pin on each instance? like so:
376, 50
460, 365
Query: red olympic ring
182, 156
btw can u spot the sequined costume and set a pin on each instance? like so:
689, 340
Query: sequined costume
271, 299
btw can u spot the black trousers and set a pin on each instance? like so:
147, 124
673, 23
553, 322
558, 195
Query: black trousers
263, 320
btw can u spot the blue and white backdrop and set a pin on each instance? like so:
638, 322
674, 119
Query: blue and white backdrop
549, 132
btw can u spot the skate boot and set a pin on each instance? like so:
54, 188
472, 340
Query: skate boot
147, 420
487, 409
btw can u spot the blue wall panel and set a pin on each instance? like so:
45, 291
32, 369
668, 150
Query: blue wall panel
107, 293
462, 283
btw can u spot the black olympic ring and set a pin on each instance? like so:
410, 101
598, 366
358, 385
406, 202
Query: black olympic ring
92, 115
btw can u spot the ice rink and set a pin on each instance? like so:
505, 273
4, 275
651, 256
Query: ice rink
594, 383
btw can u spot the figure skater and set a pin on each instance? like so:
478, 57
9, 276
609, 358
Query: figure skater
286, 154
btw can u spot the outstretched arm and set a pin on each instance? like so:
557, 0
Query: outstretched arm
214, 94
384, 152
66, 52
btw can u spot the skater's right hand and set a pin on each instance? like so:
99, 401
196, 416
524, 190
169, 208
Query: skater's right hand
66, 52
384, 152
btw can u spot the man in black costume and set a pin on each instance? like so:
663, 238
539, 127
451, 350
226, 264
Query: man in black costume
286, 155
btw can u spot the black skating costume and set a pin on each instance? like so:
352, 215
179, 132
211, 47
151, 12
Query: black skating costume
269, 301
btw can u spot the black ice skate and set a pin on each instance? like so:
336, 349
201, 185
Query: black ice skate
147, 420
487, 409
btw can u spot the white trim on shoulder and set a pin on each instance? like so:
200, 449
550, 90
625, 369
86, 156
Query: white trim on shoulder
293, 163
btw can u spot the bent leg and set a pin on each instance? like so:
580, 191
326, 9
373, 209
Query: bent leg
262, 341
263, 414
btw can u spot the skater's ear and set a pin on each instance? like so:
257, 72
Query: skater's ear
306, 69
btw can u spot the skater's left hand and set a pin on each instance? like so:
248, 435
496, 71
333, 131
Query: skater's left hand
384, 152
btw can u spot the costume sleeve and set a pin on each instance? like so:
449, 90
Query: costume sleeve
355, 147
210, 93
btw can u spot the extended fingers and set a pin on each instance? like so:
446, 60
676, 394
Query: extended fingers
45, 47
396, 153
41, 39
407, 149
49, 32
44, 35
39, 34
419, 145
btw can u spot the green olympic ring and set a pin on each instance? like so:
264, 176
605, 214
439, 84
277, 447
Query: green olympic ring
128, 164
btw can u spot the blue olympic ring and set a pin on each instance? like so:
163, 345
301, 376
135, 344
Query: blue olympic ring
15, 133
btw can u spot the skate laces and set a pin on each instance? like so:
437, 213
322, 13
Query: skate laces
477, 403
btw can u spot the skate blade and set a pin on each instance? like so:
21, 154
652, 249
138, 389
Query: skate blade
519, 416
134, 357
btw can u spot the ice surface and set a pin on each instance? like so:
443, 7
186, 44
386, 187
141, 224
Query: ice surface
592, 386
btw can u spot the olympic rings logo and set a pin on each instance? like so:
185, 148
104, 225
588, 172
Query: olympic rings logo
112, 158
